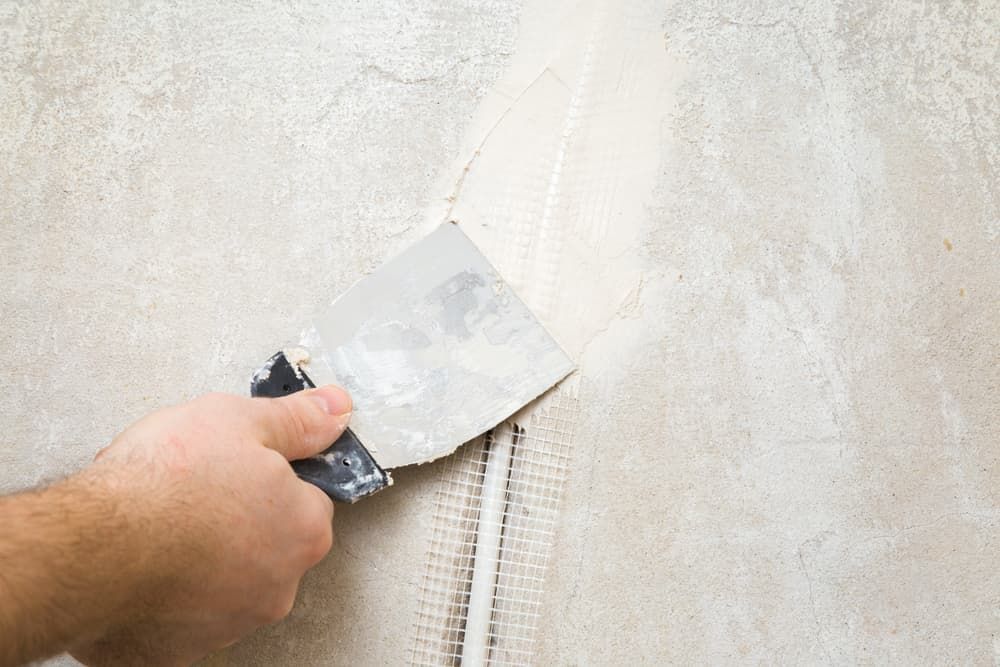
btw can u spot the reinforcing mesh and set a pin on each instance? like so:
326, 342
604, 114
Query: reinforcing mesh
539, 461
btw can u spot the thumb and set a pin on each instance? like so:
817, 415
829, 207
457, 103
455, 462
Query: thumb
304, 423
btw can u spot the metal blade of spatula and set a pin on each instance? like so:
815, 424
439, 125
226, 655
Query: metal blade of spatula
435, 349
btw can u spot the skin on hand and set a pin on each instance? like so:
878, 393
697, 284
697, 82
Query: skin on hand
213, 530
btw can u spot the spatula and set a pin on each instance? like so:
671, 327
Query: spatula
434, 348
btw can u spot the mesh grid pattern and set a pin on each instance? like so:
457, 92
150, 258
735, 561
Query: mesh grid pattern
539, 455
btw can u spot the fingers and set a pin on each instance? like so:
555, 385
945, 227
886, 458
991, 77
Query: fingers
321, 500
317, 533
304, 423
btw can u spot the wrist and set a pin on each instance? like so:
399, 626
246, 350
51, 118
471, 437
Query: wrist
117, 533
72, 559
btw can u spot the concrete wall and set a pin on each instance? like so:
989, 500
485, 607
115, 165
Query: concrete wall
802, 392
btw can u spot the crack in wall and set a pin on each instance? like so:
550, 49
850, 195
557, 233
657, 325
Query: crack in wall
812, 604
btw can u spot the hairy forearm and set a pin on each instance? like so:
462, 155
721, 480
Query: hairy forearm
69, 554
188, 531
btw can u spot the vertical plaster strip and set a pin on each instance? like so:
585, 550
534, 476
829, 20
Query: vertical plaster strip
558, 166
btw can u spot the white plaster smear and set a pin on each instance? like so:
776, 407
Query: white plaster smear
558, 168
560, 162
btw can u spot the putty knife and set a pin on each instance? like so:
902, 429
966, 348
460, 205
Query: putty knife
434, 348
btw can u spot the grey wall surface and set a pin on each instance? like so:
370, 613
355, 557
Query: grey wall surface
806, 415
180, 186
811, 418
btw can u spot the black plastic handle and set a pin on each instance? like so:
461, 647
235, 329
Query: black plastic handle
345, 470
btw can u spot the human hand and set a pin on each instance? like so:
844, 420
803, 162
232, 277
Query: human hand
221, 529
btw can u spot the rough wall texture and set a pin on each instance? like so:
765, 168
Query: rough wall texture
180, 186
804, 399
808, 397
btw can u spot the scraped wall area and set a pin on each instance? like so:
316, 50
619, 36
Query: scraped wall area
767, 233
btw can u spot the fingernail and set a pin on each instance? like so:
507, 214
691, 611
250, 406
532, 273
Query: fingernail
333, 399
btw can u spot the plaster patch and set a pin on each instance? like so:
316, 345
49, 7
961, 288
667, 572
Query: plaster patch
561, 160
553, 184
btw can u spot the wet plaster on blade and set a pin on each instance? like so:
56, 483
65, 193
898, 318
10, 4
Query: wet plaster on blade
434, 349
298, 358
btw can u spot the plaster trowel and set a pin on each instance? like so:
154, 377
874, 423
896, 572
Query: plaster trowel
435, 350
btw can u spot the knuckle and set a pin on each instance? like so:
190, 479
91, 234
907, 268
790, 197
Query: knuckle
320, 542
314, 529
280, 607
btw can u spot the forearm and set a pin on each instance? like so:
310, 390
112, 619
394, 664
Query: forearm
68, 557
187, 532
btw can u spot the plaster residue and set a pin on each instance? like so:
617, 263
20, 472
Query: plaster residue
554, 182
297, 357
432, 352
561, 160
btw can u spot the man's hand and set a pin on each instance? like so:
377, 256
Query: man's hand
188, 531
